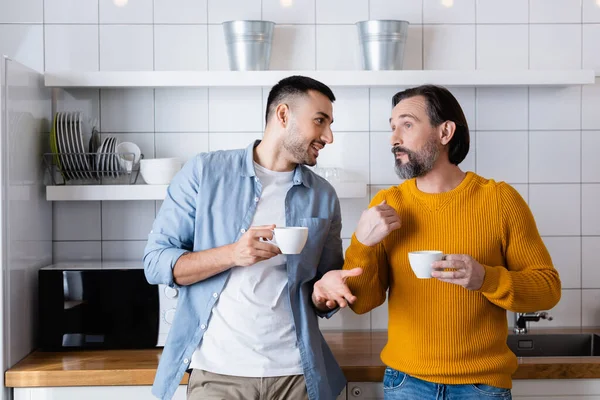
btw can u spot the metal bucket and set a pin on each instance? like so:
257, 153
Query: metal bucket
248, 44
382, 43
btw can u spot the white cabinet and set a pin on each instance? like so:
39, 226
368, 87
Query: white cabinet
555, 389
93, 393
365, 390
99, 393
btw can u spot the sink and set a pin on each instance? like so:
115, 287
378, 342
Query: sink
555, 345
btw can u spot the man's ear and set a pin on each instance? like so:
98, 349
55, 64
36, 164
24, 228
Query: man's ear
282, 113
447, 130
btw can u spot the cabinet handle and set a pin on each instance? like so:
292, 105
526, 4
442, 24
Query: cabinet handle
356, 391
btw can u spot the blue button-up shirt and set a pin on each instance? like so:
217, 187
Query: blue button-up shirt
211, 203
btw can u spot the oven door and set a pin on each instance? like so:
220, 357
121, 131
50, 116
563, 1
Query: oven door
97, 309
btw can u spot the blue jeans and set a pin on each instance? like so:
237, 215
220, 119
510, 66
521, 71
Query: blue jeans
400, 386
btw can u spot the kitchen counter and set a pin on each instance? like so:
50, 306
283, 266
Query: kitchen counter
356, 352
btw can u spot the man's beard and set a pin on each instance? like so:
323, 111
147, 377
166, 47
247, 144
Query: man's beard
297, 148
419, 162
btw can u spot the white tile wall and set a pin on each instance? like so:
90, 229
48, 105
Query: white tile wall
590, 97
557, 11
289, 11
181, 144
408, 10
546, 148
556, 208
180, 12
591, 36
493, 149
71, 11
591, 11
71, 47
126, 12
438, 12
180, 47
502, 109
555, 46
544, 141
502, 47
566, 254
337, 47
25, 11
126, 48
449, 46
294, 47
502, 12
590, 273
181, 110
555, 108
341, 11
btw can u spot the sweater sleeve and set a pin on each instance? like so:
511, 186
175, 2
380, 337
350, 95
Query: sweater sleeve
529, 282
371, 286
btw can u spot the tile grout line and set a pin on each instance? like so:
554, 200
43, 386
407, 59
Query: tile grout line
208, 69
315, 26
44, 35
100, 123
476, 90
581, 181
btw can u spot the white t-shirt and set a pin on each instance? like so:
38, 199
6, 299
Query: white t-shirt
251, 332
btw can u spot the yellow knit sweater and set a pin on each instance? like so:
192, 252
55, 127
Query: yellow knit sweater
441, 332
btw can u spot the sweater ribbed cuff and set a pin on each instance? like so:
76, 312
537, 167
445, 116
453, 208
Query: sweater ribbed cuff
491, 281
363, 248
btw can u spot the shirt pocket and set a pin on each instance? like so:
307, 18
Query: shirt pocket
318, 229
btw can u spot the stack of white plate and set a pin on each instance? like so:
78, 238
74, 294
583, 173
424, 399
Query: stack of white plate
79, 153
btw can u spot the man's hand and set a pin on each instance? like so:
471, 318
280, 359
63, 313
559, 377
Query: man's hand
250, 249
331, 290
468, 272
376, 223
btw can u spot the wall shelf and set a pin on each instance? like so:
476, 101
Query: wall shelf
157, 192
157, 79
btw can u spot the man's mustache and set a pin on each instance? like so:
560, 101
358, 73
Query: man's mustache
400, 149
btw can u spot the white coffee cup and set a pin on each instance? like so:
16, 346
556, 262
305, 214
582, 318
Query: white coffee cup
420, 262
289, 239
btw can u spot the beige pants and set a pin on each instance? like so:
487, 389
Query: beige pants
205, 385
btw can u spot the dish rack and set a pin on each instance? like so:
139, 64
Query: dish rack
90, 169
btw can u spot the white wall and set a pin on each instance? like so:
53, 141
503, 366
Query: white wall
551, 135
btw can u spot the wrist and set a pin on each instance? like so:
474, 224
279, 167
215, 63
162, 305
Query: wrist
228, 256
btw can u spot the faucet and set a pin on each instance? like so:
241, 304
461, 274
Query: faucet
521, 320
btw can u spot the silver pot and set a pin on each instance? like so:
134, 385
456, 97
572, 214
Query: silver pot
248, 44
382, 43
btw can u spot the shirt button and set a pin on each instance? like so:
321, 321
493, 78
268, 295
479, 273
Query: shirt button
215, 295
186, 361
243, 230
256, 199
203, 326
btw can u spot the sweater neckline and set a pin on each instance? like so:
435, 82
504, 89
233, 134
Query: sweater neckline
435, 201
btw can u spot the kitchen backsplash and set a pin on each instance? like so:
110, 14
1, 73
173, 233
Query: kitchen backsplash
544, 141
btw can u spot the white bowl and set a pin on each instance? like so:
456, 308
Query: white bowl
159, 171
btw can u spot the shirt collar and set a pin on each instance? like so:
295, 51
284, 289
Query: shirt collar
300, 175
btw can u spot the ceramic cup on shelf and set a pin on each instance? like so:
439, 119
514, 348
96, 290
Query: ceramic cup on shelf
129, 154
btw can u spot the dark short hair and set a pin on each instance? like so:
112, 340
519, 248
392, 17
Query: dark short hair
442, 106
294, 86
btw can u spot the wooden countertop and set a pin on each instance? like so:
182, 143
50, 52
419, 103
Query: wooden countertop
356, 352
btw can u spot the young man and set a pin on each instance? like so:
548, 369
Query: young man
245, 323
447, 335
